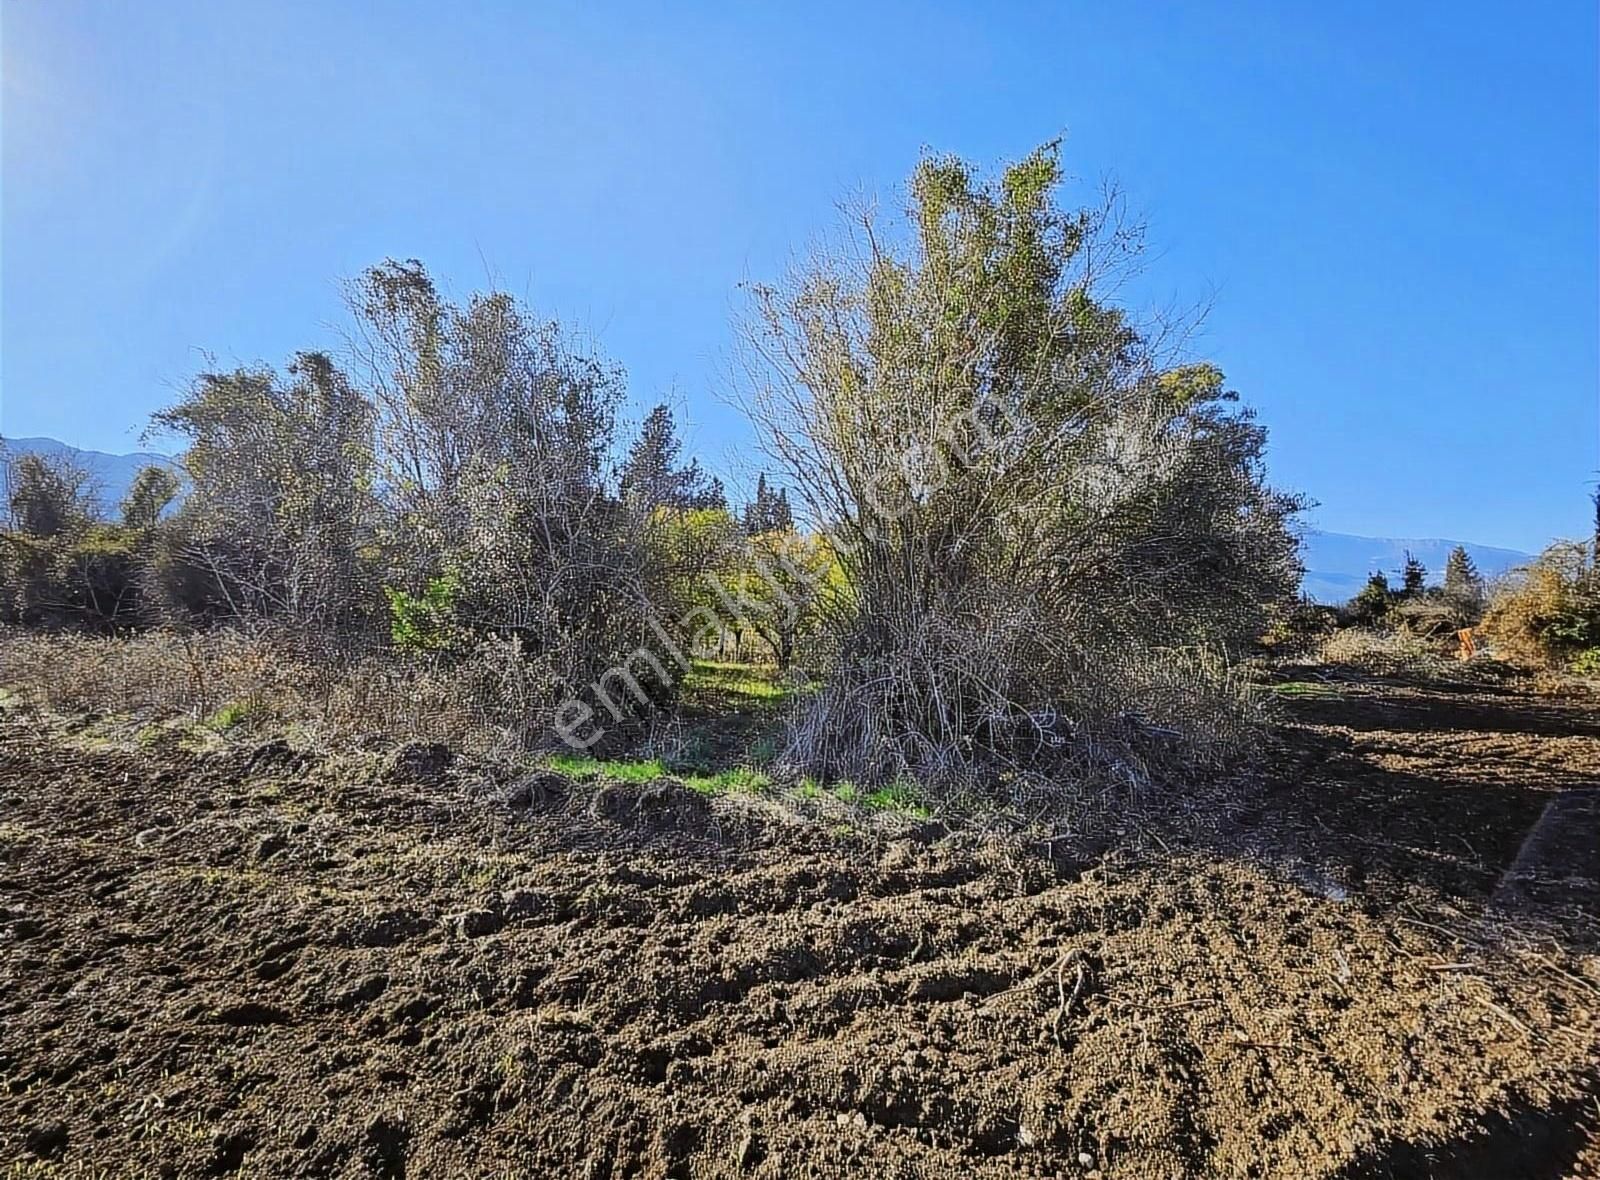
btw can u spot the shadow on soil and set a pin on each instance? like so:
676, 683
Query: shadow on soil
1524, 1142
1381, 820
1434, 711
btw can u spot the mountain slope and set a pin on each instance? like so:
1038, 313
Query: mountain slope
112, 474
1338, 564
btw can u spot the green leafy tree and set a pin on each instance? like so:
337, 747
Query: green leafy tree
426, 621
787, 577
152, 492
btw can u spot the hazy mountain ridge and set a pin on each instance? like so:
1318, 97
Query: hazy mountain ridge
111, 474
1337, 564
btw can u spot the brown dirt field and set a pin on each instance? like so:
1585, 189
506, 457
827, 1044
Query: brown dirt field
255, 962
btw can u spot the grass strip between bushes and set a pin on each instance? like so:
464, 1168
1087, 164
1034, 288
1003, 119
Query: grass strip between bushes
901, 797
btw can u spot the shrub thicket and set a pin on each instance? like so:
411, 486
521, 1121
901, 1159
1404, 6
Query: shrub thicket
1548, 613
447, 491
1039, 537
1042, 524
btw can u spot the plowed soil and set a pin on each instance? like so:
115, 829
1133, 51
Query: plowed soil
251, 960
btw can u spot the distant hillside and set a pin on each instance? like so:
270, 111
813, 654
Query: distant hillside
112, 474
1338, 564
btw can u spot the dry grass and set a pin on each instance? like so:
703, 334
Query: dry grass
1365, 651
1386, 652
492, 703
158, 672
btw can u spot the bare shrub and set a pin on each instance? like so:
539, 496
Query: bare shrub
493, 702
281, 503
1027, 501
1385, 651
494, 434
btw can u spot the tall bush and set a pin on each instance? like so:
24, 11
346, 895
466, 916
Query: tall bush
1035, 511
281, 502
494, 439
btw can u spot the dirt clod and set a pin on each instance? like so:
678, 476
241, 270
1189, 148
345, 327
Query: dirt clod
423, 763
46, 1140
475, 923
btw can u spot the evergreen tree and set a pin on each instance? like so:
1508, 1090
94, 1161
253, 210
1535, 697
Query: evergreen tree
647, 474
753, 511
1461, 578
769, 512
1413, 576
651, 477
1373, 602
709, 493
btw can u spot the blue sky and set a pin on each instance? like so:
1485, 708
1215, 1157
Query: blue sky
1393, 207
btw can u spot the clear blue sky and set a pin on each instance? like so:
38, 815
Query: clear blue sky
1394, 205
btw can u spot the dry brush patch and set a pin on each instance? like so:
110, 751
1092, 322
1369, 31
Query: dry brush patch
493, 703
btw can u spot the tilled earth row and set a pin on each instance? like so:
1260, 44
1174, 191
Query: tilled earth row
260, 962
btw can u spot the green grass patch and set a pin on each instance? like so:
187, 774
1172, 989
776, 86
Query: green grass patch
903, 797
1304, 688
739, 778
228, 716
748, 682
579, 766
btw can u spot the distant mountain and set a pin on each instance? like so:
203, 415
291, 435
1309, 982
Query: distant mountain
112, 474
1338, 564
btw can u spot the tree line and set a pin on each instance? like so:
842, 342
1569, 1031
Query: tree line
1034, 530
1546, 613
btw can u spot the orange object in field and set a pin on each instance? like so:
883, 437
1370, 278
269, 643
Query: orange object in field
1469, 645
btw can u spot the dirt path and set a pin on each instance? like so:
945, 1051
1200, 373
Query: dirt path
251, 962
